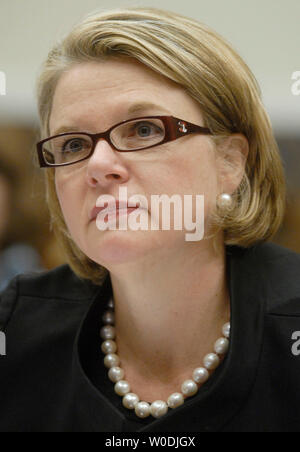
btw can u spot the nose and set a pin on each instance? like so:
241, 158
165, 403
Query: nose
105, 166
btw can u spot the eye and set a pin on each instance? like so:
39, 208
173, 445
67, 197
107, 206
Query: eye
144, 129
138, 134
75, 145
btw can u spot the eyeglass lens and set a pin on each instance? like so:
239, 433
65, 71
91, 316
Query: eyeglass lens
130, 136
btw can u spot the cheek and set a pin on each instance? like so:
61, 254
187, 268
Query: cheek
197, 175
69, 199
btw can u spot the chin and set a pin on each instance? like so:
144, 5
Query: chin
115, 247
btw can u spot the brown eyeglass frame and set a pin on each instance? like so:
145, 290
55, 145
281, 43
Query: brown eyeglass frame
174, 128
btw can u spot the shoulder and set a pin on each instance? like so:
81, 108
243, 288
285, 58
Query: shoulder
61, 282
265, 252
276, 271
272, 252
37, 289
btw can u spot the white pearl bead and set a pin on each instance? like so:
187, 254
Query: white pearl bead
122, 387
211, 361
110, 304
107, 332
200, 375
158, 408
221, 346
115, 374
108, 317
130, 400
111, 360
109, 346
226, 330
142, 409
189, 388
175, 400
224, 200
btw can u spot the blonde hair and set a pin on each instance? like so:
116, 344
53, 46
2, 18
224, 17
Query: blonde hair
211, 72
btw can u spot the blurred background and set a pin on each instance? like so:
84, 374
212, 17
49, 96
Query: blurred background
266, 33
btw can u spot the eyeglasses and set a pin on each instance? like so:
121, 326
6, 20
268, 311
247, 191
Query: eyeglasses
132, 135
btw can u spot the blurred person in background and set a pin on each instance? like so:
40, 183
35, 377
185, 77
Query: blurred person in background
16, 256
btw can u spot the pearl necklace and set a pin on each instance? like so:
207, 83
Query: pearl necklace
158, 408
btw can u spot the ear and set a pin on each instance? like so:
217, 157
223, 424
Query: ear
232, 157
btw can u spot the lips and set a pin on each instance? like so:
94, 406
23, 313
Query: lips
111, 207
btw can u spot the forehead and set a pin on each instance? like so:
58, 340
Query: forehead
108, 90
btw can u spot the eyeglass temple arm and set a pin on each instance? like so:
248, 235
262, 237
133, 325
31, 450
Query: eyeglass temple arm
185, 128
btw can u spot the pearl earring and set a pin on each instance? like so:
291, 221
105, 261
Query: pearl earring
224, 201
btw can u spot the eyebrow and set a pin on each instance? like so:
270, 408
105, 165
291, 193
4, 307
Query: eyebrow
143, 106
132, 109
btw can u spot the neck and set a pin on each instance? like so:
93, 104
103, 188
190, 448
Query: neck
169, 315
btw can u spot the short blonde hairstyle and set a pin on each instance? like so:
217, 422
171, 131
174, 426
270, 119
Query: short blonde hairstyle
211, 72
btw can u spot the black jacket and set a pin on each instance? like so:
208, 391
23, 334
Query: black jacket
52, 378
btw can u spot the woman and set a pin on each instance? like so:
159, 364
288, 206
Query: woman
145, 330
